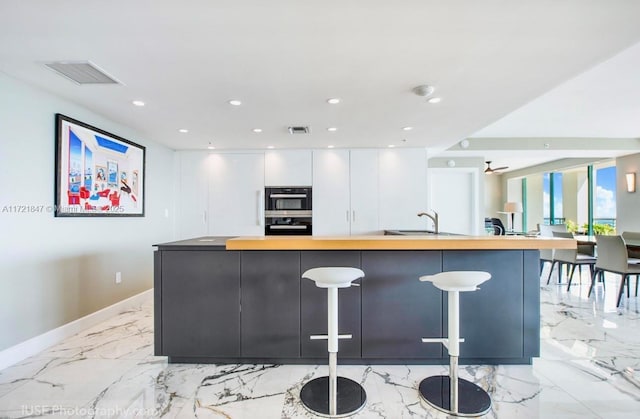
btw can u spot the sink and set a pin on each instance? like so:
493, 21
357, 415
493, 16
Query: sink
416, 233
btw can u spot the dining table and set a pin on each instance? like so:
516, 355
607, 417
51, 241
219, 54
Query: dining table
585, 241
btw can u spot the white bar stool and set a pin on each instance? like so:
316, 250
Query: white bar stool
451, 394
333, 396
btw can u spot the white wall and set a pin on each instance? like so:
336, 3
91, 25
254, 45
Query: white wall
55, 270
474, 166
535, 214
628, 204
582, 200
493, 201
514, 194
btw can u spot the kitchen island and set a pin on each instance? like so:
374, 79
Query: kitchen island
241, 300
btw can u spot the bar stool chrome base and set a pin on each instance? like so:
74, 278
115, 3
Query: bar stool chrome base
473, 400
350, 399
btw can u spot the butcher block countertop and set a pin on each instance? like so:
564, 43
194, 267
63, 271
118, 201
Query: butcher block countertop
426, 242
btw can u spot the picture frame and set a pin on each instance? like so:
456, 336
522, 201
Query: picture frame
98, 174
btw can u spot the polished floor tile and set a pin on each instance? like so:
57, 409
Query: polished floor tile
589, 368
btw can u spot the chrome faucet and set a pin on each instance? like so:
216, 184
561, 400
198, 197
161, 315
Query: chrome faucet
433, 217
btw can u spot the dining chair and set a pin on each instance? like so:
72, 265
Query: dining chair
546, 255
612, 257
571, 258
634, 254
498, 227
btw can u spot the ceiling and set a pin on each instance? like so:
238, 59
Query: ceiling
593, 115
284, 58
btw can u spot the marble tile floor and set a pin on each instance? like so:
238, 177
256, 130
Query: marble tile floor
589, 368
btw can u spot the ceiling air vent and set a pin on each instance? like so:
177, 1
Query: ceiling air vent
299, 130
82, 72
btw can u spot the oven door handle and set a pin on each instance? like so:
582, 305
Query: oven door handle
288, 195
287, 227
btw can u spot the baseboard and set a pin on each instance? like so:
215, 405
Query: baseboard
23, 350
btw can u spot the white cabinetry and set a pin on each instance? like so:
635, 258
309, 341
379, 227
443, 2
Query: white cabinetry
288, 168
354, 191
236, 194
403, 189
331, 211
345, 192
364, 192
192, 194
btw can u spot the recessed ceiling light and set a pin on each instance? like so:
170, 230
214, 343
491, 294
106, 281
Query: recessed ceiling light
332, 129
270, 147
211, 147
183, 130
333, 100
407, 128
434, 100
257, 130
330, 146
138, 103
235, 102
391, 146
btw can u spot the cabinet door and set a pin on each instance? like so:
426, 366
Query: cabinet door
200, 303
482, 311
403, 189
288, 168
236, 195
331, 207
314, 306
270, 317
192, 192
364, 191
397, 309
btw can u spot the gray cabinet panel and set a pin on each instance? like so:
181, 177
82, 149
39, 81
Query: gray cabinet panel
531, 312
157, 306
270, 296
491, 318
200, 303
314, 306
397, 309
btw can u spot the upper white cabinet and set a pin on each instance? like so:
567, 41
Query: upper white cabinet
364, 191
192, 194
331, 208
345, 192
288, 168
236, 194
403, 189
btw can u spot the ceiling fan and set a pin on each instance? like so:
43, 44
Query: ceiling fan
489, 170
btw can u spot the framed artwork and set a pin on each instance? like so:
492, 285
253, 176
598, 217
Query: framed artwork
98, 174
112, 173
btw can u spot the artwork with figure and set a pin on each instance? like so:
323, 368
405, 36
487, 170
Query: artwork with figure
92, 172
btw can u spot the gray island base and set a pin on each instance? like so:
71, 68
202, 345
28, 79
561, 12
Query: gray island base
214, 305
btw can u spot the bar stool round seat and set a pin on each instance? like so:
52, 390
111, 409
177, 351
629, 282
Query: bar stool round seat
333, 396
451, 394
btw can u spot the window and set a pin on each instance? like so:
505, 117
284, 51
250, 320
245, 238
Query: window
604, 208
552, 194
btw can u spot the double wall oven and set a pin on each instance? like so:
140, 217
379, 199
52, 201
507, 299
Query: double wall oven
287, 211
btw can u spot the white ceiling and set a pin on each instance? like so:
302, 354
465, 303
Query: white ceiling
284, 58
602, 102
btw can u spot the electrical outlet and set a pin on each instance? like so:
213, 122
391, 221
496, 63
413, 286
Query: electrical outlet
118, 277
